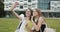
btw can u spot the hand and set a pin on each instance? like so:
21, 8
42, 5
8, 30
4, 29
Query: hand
13, 6
16, 3
32, 18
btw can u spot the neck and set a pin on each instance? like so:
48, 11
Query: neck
37, 16
27, 18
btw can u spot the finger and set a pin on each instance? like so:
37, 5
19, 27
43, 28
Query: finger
15, 4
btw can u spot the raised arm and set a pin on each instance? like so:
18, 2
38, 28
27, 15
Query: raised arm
12, 10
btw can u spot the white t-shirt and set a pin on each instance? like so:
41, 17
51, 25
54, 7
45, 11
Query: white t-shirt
22, 27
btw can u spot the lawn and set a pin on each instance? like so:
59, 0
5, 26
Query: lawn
10, 24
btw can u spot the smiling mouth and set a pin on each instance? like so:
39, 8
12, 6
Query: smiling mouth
27, 13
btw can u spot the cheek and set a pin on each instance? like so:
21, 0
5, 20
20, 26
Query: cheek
30, 13
36, 13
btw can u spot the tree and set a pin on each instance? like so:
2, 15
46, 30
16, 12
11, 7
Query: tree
1, 8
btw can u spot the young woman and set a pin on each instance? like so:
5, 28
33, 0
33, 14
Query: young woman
38, 21
24, 21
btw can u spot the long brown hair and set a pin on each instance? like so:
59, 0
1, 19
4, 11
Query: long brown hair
39, 12
30, 11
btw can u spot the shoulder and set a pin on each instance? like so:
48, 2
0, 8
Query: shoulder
40, 17
21, 16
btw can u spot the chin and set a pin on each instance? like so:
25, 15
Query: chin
28, 16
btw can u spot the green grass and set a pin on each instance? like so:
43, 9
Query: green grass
10, 24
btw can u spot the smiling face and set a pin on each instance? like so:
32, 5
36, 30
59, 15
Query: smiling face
35, 13
28, 13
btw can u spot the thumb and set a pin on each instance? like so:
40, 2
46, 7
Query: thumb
15, 4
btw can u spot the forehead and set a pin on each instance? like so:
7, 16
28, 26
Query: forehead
34, 10
27, 10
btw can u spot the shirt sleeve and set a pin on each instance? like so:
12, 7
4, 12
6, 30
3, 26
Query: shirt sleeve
21, 16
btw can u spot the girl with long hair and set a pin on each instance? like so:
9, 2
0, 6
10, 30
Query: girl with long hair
24, 21
38, 21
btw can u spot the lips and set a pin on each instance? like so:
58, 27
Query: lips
27, 13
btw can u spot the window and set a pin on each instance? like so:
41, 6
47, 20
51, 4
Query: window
58, 8
58, 3
52, 8
43, 1
33, 5
21, 0
17, 0
33, 0
25, 0
17, 5
29, 0
7, 7
6, 0
43, 6
21, 7
29, 6
7, 4
13, 0
25, 5
53, 0
10, 3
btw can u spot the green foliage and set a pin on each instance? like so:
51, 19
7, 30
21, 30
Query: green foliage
1, 6
1, 9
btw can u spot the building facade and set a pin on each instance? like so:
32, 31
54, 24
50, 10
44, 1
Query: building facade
45, 4
55, 6
23, 4
49, 8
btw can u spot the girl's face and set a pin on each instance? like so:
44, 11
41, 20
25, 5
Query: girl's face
28, 13
35, 13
